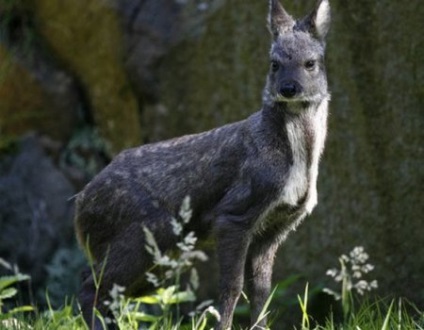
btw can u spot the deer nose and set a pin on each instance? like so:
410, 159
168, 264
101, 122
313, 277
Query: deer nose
289, 89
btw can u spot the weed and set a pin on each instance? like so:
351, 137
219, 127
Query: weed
353, 267
161, 309
7, 291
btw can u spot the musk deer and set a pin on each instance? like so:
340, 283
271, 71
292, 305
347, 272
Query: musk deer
250, 182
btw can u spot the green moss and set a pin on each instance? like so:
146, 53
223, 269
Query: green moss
86, 36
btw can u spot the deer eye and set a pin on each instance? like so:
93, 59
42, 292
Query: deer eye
310, 64
274, 66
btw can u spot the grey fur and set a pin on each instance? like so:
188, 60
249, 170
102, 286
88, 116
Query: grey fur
250, 182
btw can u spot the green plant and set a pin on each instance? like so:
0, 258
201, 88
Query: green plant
60, 318
8, 292
156, 311
161, 309
304, 308
381, 314
353, 267
376, 315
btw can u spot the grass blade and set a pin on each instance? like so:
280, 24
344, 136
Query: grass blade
387, 318
304, 307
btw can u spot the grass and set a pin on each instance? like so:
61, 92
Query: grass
358, 311
380, 314
370, 315
162, 310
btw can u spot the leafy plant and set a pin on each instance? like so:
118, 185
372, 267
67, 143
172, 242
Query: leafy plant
8, 292
60, 318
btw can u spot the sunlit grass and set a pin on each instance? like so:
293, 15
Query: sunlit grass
161, 309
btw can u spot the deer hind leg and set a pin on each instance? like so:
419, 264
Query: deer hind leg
125, 265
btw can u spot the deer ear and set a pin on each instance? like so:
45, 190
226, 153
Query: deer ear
278, 19
318, 22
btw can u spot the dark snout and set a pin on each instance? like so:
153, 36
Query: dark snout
290, 89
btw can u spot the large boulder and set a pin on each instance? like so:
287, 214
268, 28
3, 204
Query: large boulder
87, 37
61, 67
35, 210
26, 105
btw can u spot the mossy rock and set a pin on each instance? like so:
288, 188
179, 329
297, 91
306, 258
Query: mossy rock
24, 106
86, 36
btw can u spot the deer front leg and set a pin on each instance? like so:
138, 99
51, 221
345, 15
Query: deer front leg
259, 265
232, 245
